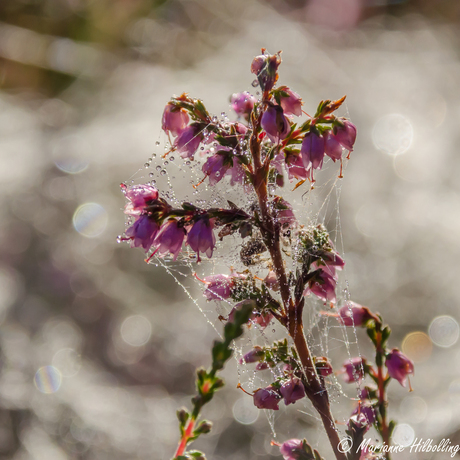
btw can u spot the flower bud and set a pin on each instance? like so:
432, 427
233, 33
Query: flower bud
201, 237
353, 314
292, 391
142, 232
399, 366
139, 196
271, 281
275, 124
345, 133
243, 103
174, 119
292, 449
323, 286
266, 69
267, 398
312, 150
354, 369
332, 146
188, 141
253, 356
290, 102
170, 238
323, 366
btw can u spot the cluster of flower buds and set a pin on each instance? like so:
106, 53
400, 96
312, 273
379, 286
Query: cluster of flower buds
298, 449
319, 262
164, 229
371, 408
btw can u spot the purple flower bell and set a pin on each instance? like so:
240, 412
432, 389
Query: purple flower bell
201, 237
215, 168
399, 366
353, 369
291, 102
139, 196
312, 151
345, 133
243, 103
353, 314
275, 124
323, 286
174, 119
292, 449
170, 238
188, 141
142, 232
253, 356
332, 147
292, 391
267, 398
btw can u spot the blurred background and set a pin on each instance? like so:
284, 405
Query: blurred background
98, 349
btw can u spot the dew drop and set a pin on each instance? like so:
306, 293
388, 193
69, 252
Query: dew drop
166, 162
217, 174
146, 165
153, 182
273, 330
151, 174
119, 240
255, 83
171, 158
158, 168
188, 163
157, 143
214, 119
163, 172
223, 114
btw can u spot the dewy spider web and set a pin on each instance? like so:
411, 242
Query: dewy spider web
179, 181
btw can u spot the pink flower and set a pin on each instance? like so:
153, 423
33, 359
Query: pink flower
267, 398
170, 238
312, 151
399, 366
262, 319
292, 391
236, 172
283, 212
345, 134
323, 366
332, 146
215, 167
290, 102
174, 119
139, 196
353, 369
188, 141
292, 449
201, 237
358, 422
243, 103
258, 63
253, 356
271, 281
266, 69
330, 259
142, 232
353, 314
323, 286
296, 167
219, 286
275, 124
367, 410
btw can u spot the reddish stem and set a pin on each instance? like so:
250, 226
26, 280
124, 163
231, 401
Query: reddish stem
185, 437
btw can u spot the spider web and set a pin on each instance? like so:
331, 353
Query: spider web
177, 180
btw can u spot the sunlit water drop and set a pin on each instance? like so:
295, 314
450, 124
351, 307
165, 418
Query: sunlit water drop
48, 379
393, 134
90, 219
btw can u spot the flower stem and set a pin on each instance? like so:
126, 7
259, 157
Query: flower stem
384, 428
292, 310
185, 437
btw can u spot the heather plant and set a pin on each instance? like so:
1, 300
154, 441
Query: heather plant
267, 152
